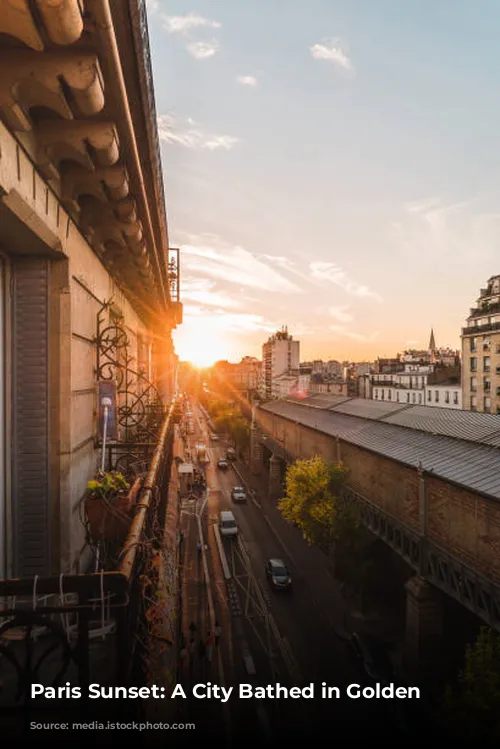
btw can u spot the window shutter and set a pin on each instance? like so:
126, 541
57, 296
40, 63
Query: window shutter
30, 418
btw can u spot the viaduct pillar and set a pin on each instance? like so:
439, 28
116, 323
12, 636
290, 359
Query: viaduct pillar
424, 629
274, 477
256, 451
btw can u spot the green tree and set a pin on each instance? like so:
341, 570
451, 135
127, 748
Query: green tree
240, 432
312, 503
472, 709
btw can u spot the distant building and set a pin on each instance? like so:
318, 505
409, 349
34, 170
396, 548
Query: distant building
481, 352
280, 356
429, 377
242, 378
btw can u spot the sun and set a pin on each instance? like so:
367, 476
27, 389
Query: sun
200, 345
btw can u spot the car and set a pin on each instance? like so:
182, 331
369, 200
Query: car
222, 464
227, 524
231, 453
214, 437
278, 575
238, 494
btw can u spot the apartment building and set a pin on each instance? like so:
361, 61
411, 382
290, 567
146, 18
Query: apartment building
481, 352
280, 356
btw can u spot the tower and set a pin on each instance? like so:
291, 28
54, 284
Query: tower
432, 342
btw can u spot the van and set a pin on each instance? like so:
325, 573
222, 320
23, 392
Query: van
227, 524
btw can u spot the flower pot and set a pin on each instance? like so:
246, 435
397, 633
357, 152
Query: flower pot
109, 518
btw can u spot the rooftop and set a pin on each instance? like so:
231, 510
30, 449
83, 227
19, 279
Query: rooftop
462, 447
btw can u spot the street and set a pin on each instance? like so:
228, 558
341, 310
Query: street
274, 637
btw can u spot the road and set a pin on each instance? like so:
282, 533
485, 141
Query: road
305, 650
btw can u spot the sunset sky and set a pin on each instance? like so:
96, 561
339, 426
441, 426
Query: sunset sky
333, 166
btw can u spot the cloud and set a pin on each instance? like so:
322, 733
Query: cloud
341, 314
186, 133
234, 265
440, 229
247, 80
202, 50
152, 6
332, 51
202, 291
185, 24
412, 344
229, 322
332, 273
346, 333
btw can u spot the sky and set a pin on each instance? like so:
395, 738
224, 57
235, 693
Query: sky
330, 166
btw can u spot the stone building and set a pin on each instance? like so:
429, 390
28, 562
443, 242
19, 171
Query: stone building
85, 265
481, 352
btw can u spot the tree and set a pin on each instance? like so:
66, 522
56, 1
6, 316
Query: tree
472, 709
240, 432
312, 502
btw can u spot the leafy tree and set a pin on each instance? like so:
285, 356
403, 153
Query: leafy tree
312, 502
240, 432
472, 709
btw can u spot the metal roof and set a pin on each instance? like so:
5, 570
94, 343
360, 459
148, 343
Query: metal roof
369, 409
321, 400
470, 426
474, 466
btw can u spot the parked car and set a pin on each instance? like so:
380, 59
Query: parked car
278, 575
231, 453
238, 494
222, 464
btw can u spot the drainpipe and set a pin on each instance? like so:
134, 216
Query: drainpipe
106, 28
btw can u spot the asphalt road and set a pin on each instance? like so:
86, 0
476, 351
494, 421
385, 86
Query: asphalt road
321, 655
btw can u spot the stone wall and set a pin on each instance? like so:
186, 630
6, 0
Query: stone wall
465, 524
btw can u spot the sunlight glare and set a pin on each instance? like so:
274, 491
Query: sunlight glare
200, 344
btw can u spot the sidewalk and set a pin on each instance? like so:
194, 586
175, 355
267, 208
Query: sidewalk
310, 562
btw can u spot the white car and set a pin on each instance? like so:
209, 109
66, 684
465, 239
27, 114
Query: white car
238, 494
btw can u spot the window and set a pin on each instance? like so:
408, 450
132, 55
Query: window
473, 384
389, 394
436, 396
383, 394
447, 396
487, 384
407, 397
413, 397
473, 403
375, 393
455, 399
420, 397
497, 348
487, 405
486, 363
473, 364
397, 396
473, 344
429, 395
486, 344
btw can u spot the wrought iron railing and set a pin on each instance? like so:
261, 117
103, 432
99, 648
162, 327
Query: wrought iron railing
47, 624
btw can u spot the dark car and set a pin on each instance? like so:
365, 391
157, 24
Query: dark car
231, 453
278, 575
222, 464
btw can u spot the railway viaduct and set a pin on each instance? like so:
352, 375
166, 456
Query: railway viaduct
427, 482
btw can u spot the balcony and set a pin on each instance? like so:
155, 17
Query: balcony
116, 624
478, 329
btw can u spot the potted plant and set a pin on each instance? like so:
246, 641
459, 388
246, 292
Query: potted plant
109, 500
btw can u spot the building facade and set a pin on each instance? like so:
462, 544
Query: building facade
481, 352
88, 283
280, 356
238, 379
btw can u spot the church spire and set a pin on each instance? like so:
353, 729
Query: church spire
432, 342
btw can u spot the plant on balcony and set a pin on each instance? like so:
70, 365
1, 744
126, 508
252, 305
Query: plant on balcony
109, 499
